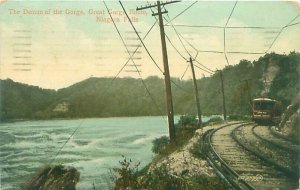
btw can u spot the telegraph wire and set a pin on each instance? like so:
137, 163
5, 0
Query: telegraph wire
210, 72
145, 46
224, 33
179, 54
278, 34
219, 52
185, 71
222, 27
292, 24
61, 148
177, 33
130, 55
175, 48
230, 14
127, 50
140, 38
184, 46
134, 51
182, 12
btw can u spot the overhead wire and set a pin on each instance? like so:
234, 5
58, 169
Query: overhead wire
130, 57
206, 69
169, 40
140, 38
224, 33
278, 34
178, 36
292, 24
218, 52
182, 12
174, 83
185, 71
134, 51
61, 148
175, 47
222, 27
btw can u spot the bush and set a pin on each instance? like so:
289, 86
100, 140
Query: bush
187, 120
215, 119
160, 144
184, 130
198, 150
160, 179
126, 175
239, 117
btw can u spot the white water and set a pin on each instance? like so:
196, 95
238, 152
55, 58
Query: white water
95, 148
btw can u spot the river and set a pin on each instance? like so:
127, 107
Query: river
93, 150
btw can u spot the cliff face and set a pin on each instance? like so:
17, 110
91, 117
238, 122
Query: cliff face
53, 178
290, 124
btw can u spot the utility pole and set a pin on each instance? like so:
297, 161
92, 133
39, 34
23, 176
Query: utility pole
223, 95
169, 102
196, 93
248, 90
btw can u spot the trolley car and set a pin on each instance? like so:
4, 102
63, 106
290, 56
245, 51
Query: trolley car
267, 111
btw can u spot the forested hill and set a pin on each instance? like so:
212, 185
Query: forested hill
273, 75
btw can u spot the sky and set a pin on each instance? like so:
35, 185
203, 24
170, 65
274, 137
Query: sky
54, 44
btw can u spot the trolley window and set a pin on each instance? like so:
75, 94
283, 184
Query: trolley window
263, 105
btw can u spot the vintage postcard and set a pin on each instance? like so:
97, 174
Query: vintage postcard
149, 94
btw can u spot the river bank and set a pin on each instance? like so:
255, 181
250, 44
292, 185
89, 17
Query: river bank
181, 167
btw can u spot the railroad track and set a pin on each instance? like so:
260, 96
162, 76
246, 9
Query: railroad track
232, 151
265, 133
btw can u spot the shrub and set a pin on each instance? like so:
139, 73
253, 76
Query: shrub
239, 117
126, 175
187, 120
215, 119
160, 179
184, 130
160, 144
198, 150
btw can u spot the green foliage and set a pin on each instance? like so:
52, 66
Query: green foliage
126, 175
198, 150
161, 179
21, 101
215, 119
160, 144
184, 130
239, 117
295, 128
187, 120
99, 97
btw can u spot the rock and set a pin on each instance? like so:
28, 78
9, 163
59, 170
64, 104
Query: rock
53, 178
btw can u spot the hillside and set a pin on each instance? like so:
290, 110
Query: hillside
272, 75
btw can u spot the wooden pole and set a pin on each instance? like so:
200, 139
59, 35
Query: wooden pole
196, 93
223, 95
169, 101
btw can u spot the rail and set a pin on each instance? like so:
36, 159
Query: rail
220, 166
268, 160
